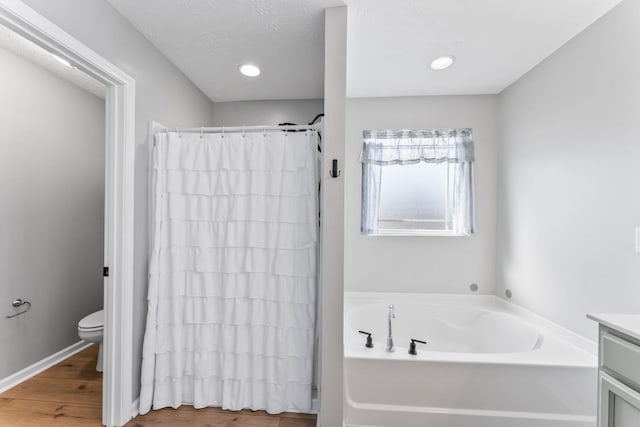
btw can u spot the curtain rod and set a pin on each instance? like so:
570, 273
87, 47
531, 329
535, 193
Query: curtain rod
223, 129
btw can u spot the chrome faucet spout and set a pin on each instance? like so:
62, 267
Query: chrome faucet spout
392, 315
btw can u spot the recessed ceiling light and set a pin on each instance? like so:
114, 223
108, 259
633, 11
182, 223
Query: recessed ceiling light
62, 61
442, 62
250, 70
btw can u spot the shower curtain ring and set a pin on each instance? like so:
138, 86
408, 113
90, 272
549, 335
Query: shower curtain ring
264, 131
201, 132
243, 131
222, 131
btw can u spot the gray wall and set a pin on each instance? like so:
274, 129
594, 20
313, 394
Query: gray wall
569, 199
51, 210
163, 94
423, 264
257, 113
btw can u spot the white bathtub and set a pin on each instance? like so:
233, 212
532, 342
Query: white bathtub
487, 363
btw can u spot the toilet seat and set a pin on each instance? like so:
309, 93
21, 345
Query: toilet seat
92, 322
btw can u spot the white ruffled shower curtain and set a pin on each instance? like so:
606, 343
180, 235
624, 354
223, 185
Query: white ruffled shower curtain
232, 272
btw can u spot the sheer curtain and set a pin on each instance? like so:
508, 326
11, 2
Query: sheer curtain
232, 272
402, 147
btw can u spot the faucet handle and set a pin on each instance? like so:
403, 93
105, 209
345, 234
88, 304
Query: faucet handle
412, 346
369, 343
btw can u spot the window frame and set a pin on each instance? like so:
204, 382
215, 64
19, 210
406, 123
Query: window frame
447, 220
384, 148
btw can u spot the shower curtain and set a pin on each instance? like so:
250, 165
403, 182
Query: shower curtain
232, 274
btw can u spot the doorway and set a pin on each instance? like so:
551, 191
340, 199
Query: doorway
52, 160
119, 187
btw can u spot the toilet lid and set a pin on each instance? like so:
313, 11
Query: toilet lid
92, 321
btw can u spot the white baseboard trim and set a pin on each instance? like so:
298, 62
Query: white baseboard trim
315, 405
30, 371
135, 408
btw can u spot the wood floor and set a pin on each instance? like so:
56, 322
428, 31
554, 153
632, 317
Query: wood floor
69, 394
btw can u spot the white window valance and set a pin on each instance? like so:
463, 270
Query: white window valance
393, 147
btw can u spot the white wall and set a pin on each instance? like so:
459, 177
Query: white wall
163, 94
569, 199
248, 113
332, 260
423, 264
51, 210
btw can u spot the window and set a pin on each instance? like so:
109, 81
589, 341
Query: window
417, 182
406, 203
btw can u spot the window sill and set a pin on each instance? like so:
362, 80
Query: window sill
417, 233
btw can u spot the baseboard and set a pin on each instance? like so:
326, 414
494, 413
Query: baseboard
315, 405
135, 408
30, 371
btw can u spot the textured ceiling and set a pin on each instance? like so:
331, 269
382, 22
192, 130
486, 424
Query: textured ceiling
390, 42
26, 49
209, 39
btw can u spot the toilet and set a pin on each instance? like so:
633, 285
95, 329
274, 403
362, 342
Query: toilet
91, 328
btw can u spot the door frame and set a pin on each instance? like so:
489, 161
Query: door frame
119, 198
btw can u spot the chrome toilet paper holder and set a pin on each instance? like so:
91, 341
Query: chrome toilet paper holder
19, 302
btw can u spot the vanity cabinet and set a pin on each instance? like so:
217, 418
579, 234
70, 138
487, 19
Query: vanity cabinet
619, 404
618, 371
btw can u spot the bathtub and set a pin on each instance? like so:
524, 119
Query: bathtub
487, 363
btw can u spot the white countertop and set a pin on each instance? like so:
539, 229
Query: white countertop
628, 324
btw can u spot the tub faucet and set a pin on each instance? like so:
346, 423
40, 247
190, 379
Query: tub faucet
392, 315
